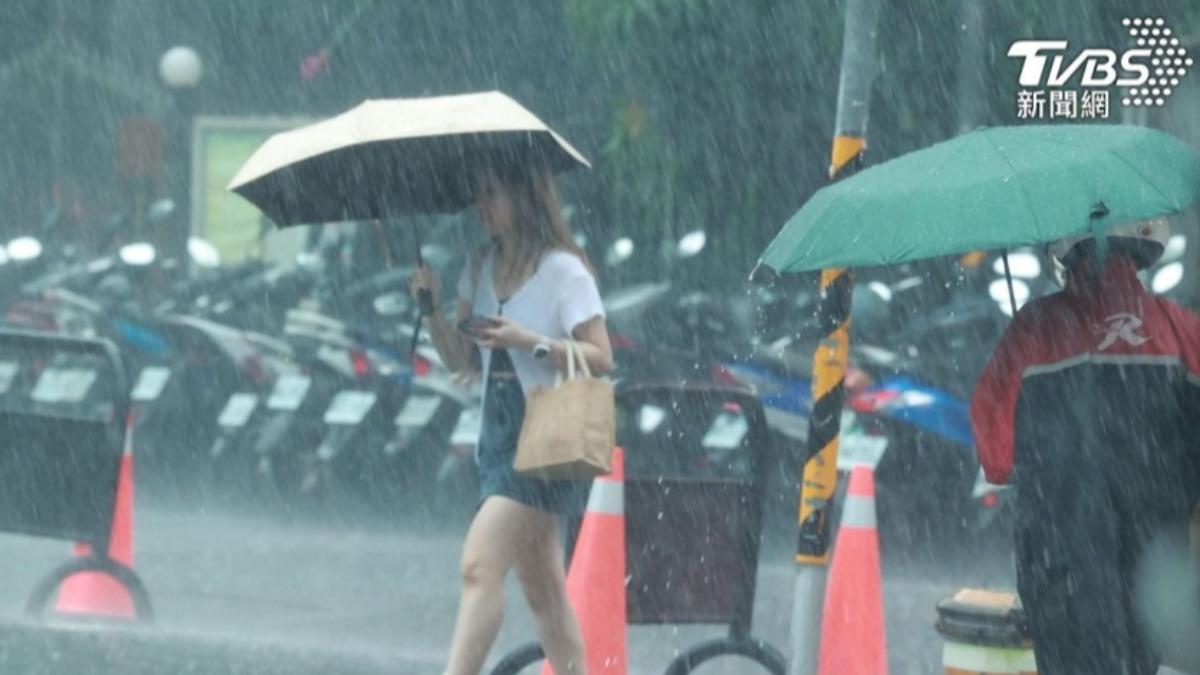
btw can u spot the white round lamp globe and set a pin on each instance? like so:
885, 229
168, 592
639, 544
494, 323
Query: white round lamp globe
180, 67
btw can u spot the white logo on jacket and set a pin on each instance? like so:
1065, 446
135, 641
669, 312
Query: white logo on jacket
1122, 326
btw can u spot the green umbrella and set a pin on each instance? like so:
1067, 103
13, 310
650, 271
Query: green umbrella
994, 188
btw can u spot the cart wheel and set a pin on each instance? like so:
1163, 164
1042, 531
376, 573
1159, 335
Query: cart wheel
516, 660
39, 600
755, 650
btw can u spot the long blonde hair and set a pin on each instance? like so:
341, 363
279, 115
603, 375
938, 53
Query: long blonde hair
537, 216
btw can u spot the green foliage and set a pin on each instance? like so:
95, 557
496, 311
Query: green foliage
709, 113
721, 111
709, 103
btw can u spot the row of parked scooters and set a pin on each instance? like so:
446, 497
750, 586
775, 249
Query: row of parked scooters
293, 386
289, 386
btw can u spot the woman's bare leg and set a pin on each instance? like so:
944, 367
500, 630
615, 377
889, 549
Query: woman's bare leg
501, 531
543, 578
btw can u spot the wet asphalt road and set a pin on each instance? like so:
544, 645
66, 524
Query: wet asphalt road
240, 594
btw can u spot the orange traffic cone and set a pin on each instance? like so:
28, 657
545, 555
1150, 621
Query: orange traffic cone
94, 593
596, 581
852, 633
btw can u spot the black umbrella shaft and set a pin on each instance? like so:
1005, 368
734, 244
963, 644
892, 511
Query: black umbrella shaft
425, 296
1012, 297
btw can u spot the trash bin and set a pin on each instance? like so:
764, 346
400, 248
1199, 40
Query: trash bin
64, 406
63, 403
985, 634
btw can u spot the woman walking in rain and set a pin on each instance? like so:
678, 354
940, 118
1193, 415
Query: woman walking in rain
524, 293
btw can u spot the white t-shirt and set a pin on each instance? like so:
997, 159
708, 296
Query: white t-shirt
560, 296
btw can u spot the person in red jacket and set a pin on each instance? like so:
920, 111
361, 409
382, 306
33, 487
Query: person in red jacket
1090, 405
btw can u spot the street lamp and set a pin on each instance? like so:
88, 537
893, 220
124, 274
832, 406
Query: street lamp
181, 70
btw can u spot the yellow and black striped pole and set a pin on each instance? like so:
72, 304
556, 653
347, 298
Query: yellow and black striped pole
829, 373
819, 480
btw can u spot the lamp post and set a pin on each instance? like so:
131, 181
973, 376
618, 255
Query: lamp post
181, 70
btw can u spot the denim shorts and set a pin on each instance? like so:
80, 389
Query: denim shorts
503, 412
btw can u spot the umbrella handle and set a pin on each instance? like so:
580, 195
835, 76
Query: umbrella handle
424, 299
424, 296
416, 336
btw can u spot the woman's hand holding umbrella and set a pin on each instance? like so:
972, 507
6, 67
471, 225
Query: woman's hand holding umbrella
425, 280
457, 350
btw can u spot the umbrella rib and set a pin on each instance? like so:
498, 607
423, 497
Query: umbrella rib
1016, 179
1118, 155
1143, 176
950, 156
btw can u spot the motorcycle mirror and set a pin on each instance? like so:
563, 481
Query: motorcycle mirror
138, 255
309, 261
998, 290
436, 255
650, 417
99, 265
881, 289
876, 355
203, 253
161, 210
1167, 277
391, 304
691, 243
1023, 263
620, 251
24, 249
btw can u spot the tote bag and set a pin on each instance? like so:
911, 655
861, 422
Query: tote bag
569, 430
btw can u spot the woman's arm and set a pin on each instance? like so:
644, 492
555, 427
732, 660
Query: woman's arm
592, 336
581, 315
456, 350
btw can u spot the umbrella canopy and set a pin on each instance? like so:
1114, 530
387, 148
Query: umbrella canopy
396, 156
993, 188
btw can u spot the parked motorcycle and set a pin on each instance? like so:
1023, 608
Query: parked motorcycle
181, 367
907, 411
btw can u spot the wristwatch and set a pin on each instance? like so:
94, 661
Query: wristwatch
541, 350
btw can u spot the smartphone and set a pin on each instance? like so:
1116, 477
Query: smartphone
472, 324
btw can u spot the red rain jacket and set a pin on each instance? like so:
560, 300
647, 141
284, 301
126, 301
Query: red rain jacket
1110, 326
